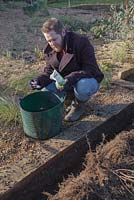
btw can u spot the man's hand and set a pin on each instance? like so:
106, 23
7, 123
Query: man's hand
64, 87
59, 87
33, 84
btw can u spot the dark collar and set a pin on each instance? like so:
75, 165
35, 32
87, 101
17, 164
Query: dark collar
68, 42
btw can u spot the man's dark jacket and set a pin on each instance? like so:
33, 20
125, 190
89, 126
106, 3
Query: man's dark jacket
77, 62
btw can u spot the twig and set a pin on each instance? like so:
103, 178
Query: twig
88, 142
129, 170
123, 179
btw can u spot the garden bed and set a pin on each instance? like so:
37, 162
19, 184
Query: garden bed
108, 172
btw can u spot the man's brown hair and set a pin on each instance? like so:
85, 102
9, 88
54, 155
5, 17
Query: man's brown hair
52, 24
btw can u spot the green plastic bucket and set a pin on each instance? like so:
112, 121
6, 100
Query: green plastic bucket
42, 114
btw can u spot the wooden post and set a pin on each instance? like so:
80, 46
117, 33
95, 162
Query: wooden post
126, 4
127, 11
46, 1
69, 3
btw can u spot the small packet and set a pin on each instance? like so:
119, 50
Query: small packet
60, 81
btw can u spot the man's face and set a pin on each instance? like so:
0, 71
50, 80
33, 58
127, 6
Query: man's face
55, 40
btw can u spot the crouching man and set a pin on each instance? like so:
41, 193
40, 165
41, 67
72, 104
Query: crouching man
73, 57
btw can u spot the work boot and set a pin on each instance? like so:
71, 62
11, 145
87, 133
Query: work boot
69, 98
76, 111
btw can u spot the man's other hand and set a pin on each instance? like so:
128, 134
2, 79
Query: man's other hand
59, 87
64, 87
34, 85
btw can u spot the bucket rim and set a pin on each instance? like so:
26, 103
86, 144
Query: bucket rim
43, 110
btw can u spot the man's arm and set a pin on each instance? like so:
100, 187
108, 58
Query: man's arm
87, 61
43, 79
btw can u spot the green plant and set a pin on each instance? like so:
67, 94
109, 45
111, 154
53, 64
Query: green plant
119, 26
107, 69
98, 31
122, 22
35, 7
119, 53
3, 8
75, 24
9, 111
38, 53
7, 54
99, 27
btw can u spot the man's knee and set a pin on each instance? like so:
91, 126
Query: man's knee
85, 88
